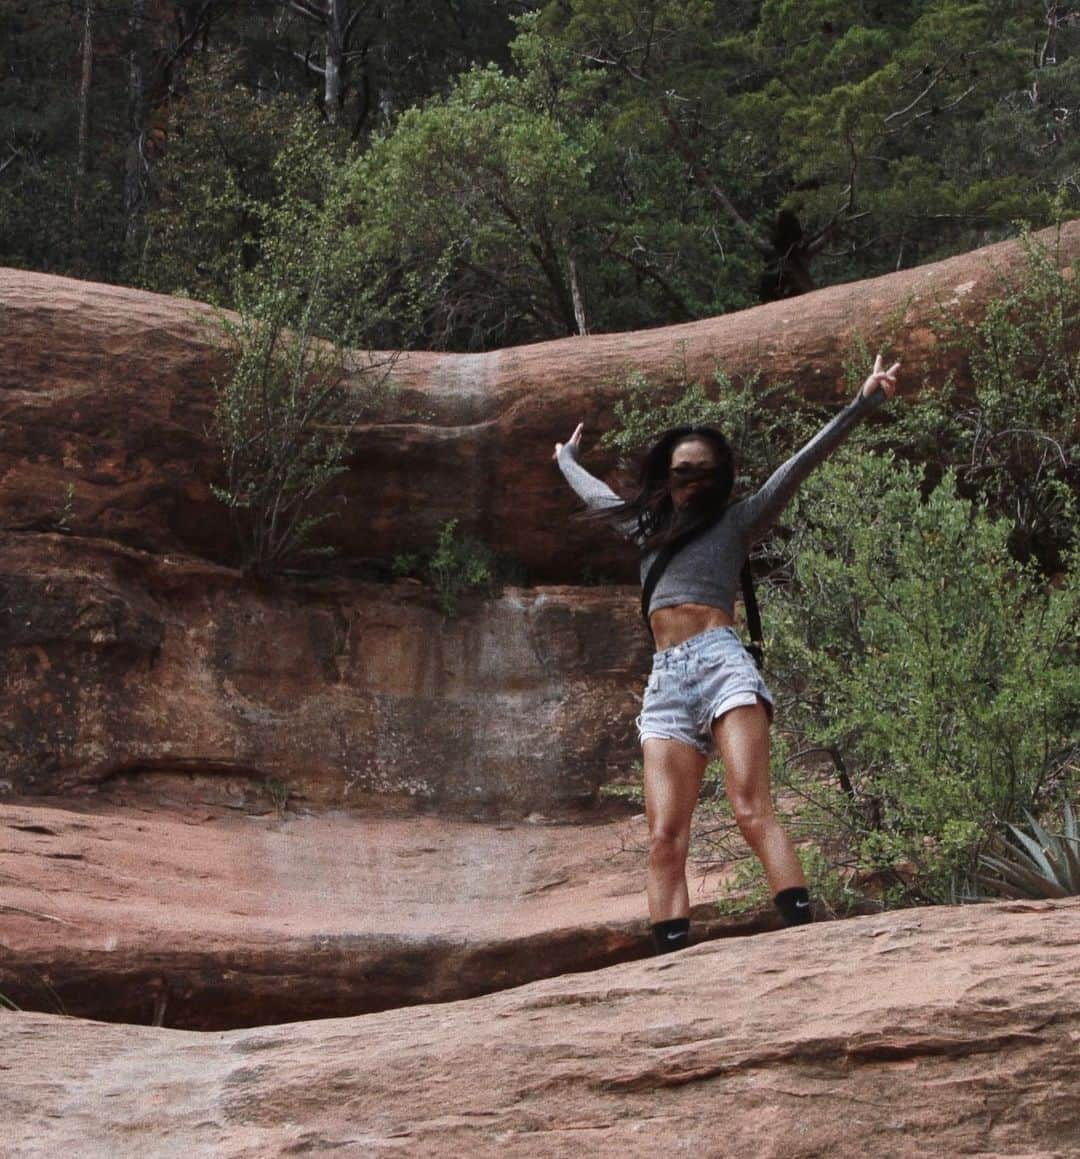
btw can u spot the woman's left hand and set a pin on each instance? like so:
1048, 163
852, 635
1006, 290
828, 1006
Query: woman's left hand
880, 379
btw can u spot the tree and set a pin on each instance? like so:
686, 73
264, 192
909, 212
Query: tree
216, 188
835, 137
287, 410
482, 187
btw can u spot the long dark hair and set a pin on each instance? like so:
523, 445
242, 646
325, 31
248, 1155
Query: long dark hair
648, 494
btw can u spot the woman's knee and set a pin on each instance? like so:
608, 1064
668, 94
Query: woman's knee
668, 848
753, 817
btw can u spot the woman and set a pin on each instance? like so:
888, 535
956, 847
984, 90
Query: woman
705, 693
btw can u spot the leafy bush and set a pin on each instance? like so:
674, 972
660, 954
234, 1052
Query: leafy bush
938, 674
1022, 441
759, 421
1011, 435
926, 667
457, 565
282, 421
284, 415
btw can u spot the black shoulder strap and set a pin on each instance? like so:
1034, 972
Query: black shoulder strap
659, 565
756, 647
664, 556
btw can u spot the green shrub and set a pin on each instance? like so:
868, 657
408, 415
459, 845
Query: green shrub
921, 622
760, 421
939, 675
1011, 436
284, 415
457, 565
282, 421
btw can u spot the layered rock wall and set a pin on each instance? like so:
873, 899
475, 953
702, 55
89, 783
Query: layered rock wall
130, 645
122, 663
106, 397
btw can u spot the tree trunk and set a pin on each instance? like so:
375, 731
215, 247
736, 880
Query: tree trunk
576, 295
337, 15
134, 167
84, 107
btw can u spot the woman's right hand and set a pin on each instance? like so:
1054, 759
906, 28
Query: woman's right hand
574, 443
880, 379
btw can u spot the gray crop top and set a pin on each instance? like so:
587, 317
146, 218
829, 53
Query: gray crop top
706, 571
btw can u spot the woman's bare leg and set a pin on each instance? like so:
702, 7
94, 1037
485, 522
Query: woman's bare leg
673, 773
742, 736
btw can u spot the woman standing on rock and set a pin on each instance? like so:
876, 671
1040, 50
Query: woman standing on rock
705, 693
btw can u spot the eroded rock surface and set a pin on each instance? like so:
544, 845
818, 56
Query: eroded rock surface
106, 396
918, 1033
120, 662
204, 918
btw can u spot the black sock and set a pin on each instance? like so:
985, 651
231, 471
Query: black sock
794, 906
673, 934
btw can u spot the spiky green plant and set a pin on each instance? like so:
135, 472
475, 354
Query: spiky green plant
1037, 864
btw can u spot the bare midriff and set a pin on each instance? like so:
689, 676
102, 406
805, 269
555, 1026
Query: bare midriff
671, 626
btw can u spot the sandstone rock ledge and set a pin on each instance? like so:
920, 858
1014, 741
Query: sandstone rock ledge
931, 1032
106, 394
205, 919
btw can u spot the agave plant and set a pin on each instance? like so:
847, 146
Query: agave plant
1037, 864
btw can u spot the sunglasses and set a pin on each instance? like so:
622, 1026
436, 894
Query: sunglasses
691, 474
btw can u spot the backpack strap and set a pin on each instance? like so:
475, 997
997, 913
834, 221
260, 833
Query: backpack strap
659, 565
664, 556
756, 647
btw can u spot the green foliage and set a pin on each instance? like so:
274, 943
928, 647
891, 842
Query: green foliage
284, 416
927, 668
1009, 434
281, 420
457, 565
1036, 864
618, 164
249, 185
52, 218
937, 672
279, 793
220, 181
474, 197
1019, 442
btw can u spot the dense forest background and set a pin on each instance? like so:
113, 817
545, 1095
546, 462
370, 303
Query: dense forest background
466, 174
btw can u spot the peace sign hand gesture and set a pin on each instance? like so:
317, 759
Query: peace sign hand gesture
884, 380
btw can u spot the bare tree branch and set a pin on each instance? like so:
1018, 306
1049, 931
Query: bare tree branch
706, 180
309, 10
900, 112
934, 112
308, 63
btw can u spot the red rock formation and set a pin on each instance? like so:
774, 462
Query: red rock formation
122, 663
124, 654
948, 1031
217, 917
109, 391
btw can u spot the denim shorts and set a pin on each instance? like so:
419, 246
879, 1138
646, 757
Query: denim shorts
694, 683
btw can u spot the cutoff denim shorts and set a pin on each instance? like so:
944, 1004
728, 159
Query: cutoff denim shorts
694, 683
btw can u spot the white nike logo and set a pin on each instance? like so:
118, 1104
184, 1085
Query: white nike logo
678, 934
802, 905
